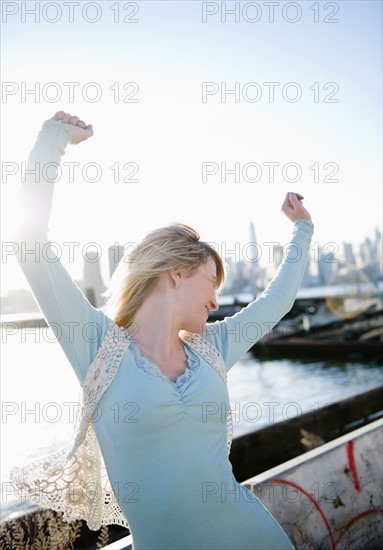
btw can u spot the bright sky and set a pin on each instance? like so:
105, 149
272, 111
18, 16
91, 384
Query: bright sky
334, 127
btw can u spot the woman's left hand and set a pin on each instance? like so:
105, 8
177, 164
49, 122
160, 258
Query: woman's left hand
293, 207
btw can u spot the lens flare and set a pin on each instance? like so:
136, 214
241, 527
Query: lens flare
350, 293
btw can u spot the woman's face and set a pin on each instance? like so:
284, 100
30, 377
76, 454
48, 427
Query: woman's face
198, 296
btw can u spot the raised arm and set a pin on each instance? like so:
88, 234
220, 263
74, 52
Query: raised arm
78, 326
237, 334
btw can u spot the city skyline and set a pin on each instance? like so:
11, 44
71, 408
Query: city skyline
247, 276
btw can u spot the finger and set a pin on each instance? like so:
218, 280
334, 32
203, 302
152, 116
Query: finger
89, 128
287, 198
66, 118
81, 123
58, 116
290, 204
286, 204
294, 199
74, 120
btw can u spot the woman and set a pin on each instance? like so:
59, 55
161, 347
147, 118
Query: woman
166, 450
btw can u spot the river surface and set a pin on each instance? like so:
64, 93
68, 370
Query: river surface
39, 392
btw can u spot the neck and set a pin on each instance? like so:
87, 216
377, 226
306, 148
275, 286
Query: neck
155, 328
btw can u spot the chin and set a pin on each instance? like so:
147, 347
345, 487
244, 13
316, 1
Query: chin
197, 328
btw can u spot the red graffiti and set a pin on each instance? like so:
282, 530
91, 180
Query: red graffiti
352, 465
314, 502
334, 545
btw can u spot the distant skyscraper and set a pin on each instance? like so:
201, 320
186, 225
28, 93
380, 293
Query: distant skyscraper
115, 253
378, 235
253, 256
376, 246
349, 257
252, 233
379, 251
277, 255
230, 270
327, 266
307, 277
368, 251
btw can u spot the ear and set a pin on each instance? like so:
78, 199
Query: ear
175, 276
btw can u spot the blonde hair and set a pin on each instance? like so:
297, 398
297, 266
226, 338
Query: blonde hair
176, 246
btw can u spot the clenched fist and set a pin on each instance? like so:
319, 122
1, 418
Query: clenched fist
79, 131
293, 207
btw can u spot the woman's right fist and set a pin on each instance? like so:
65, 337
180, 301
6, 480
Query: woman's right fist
79, 131
293, 208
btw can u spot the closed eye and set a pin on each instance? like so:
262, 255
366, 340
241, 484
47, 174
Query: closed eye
213, 280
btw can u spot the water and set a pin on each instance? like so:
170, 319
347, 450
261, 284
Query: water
267, 391
39, 391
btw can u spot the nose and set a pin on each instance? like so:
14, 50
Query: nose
213, 305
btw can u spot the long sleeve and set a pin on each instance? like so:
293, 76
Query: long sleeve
77, 325
237, 334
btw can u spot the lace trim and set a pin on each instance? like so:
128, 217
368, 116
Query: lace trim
193, 366
153, 369
208, 352
75, 481
99, 377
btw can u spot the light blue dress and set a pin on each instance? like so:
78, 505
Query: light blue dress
164, 443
